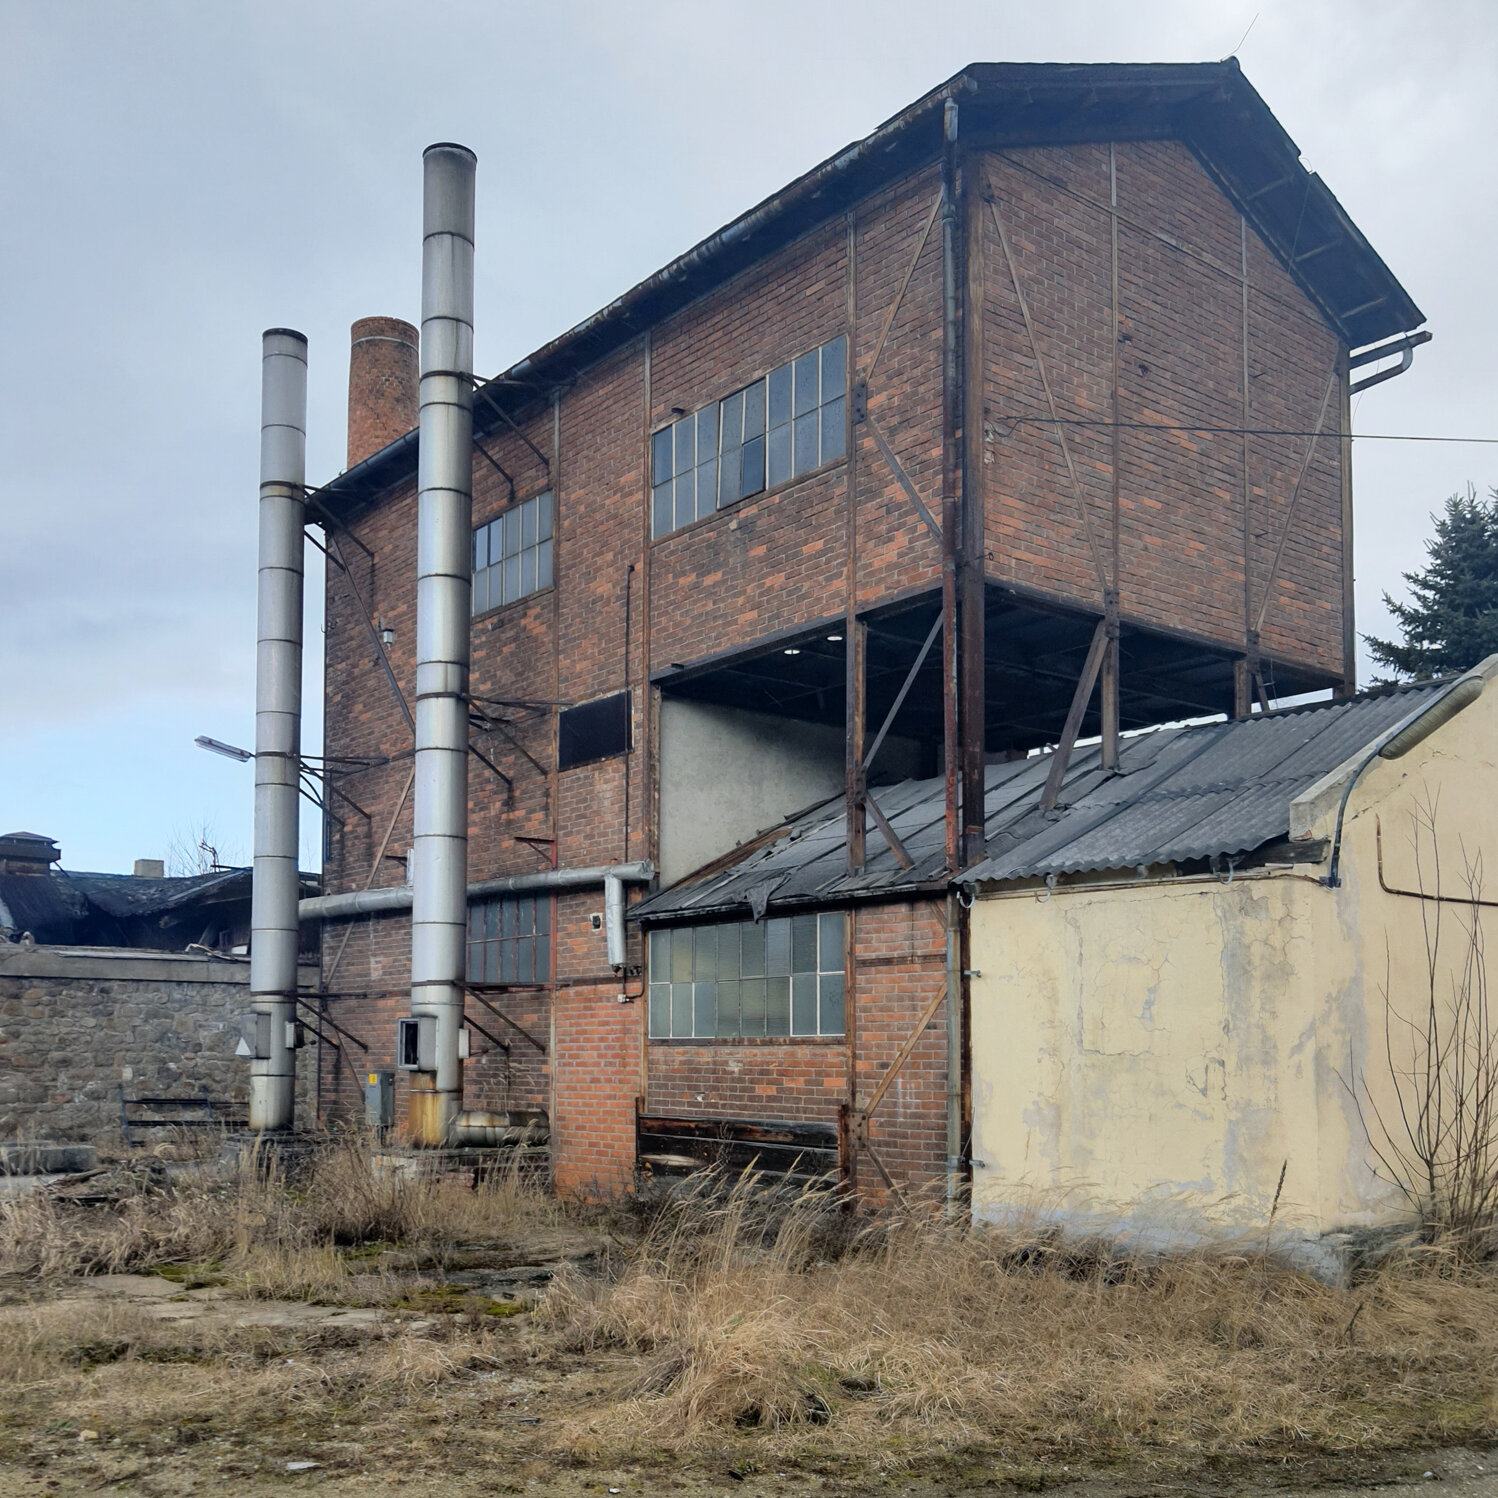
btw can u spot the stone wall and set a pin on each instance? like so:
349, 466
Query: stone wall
78, 1024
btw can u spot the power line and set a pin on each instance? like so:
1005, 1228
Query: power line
1161, 426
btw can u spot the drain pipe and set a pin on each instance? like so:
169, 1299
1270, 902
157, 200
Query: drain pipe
439, 911
274, 935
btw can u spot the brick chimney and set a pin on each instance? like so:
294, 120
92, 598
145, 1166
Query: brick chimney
383, 384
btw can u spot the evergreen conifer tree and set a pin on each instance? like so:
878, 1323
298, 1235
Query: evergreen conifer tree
1450, 621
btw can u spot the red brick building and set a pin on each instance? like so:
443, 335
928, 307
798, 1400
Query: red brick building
1020, 418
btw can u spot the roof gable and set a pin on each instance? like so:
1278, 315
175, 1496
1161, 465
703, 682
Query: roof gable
1210, 107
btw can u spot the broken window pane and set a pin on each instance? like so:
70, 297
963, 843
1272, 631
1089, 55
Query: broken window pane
752, 949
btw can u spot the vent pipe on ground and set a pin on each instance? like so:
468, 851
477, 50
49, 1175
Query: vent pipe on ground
274, 935
439, 910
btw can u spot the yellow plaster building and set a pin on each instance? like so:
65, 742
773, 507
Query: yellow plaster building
1204, 973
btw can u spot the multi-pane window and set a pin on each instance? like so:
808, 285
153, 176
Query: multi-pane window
775, 977
775, 429
509, 940
512, 554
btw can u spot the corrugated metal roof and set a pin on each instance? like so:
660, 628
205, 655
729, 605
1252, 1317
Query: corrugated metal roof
1179, 794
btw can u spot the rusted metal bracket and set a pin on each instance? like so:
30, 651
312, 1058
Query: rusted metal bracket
1080, 698
902, 857
484, 453
901, 477
501, 1015
488, 1035
493, 405
1305, 464
337, 555
894, 307
494, 769
323, 1019
904, 692
1082, 508
374, 869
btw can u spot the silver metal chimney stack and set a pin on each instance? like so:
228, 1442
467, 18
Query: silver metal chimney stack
444, 556
270, 1036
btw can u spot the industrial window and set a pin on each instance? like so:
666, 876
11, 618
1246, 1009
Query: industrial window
593, 730
775, 977
773, 430
512, 554
509, 940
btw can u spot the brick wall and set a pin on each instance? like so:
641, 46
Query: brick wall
1182, 331
78, 1025
899, 967
624, 606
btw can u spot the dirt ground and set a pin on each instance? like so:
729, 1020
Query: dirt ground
173, 1334
459, 1444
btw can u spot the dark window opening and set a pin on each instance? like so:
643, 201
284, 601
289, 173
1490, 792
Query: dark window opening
593, 731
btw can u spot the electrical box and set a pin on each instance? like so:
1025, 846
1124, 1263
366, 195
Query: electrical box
379, 1099
254, 1036
416, 1043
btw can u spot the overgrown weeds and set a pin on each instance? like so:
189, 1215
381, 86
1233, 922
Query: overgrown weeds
753, 1320
269, 1235
916, 1328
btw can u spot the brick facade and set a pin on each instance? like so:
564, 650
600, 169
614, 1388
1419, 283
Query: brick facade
624, 607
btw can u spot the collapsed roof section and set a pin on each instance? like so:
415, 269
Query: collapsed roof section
1210, 107
1180, 795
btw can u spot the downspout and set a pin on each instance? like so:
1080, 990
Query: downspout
275, 888
1400, 739
955, 981
1404, 346
444, 556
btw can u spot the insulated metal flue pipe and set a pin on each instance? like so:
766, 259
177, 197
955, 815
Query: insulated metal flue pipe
444, 557
274, 935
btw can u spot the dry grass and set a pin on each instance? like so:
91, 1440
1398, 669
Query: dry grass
928, 1334
746, 1324
270, 1236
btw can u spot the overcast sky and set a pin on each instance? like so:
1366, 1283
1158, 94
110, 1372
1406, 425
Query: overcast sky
175, 177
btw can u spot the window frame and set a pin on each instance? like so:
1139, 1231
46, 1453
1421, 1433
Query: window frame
769, 489
495, 519
686, 949
541, 936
